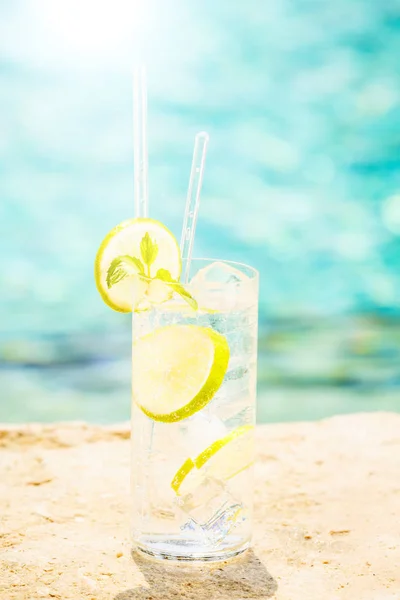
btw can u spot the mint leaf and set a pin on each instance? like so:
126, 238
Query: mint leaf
138, 264
179, 289
166, 276
121, 267
148, 250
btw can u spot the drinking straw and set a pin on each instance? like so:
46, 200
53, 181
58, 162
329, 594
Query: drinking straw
193, 201
140, 155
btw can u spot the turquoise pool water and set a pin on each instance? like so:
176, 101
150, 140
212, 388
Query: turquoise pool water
306, 371
302, 103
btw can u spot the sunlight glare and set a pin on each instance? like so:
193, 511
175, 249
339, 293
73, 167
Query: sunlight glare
90, 28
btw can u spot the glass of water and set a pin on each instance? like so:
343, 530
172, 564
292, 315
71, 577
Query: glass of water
193, 415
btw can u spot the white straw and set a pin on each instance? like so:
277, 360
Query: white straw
140, 155
193, 201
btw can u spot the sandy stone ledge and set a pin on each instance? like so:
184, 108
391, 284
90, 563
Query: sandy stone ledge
327, 517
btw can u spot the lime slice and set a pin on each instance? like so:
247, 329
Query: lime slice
125, 240
222, 460
177, 370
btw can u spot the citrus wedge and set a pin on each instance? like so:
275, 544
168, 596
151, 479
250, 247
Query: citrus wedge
126, 240
176, 370
223, 459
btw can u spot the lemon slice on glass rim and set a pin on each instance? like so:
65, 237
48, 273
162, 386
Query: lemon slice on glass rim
129, 260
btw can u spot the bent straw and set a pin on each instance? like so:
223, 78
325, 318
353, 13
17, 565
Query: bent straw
193, 201
140, 155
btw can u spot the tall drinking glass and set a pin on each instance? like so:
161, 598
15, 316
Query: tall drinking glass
193, 415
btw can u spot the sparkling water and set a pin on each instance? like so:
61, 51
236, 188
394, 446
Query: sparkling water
213, 518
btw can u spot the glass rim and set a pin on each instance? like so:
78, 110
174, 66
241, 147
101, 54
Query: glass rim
253, 270
189, 290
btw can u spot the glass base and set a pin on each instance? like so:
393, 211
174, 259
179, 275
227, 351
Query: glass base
178, 549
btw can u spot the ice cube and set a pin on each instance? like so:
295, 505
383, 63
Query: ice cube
219, 273
215, 506
212, 510
221, 287
222, 523
201, 430
201, 496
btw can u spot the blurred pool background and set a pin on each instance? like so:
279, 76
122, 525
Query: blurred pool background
302, 103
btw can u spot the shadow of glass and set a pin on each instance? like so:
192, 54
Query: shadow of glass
243, 577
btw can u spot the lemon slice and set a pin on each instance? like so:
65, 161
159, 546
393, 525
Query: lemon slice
176, 370
125, 240
223, 460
